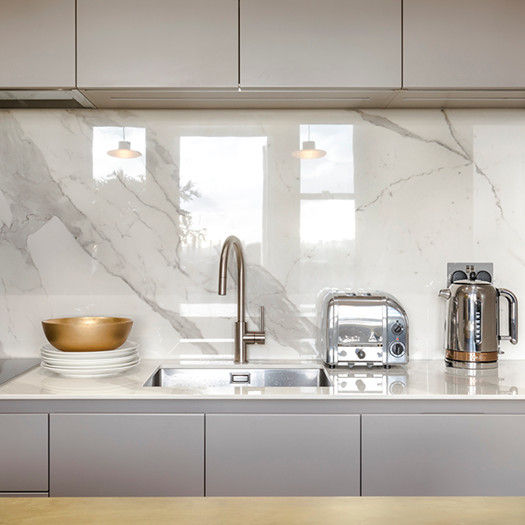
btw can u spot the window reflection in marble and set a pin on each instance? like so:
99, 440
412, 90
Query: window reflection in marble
335, 172
105, 167
327, 186
221, 183
327, 220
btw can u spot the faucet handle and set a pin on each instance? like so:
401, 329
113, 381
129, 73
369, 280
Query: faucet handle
261, 322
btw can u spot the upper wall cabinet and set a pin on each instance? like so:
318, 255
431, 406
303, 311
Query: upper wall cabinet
37, 44
313, 44
454, 44
157, 44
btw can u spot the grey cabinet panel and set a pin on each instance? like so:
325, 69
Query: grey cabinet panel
23, 452
463, 44
282, 455
24, 495
308, 43
160, 43
443, 455
37, 43
127, 455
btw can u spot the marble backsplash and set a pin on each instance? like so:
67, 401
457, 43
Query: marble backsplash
399, 193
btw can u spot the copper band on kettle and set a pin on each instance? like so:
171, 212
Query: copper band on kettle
471, 357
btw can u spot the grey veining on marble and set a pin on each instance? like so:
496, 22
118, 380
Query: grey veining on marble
399, 193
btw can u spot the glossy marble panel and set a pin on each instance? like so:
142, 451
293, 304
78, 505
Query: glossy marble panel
398, 194
421, 379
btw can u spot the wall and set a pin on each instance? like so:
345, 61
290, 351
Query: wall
398, 194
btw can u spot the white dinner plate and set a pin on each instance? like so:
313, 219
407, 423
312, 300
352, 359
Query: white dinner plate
90, 362
90, 373
123, 350
81, 367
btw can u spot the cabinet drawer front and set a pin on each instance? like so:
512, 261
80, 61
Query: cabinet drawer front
313, 44
24, 495
127, 455
443, 455
37, 39
282, 455
23, 452
464, 44
157, 44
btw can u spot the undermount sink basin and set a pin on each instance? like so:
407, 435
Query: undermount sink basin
188, 378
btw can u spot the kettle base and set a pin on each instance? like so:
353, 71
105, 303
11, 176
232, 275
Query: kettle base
471, 365
471, 360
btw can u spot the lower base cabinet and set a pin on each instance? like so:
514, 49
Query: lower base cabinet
443, 455
282, 455
23, 453
24, 495
127, 455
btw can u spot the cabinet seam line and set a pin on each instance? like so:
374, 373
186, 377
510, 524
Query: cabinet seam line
239, 43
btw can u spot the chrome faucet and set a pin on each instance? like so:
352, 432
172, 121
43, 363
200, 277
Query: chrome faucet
242, 336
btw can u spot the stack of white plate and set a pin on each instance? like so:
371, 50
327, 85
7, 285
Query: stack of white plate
90, 364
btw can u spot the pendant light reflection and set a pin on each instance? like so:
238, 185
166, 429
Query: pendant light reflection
308, 150
124, 150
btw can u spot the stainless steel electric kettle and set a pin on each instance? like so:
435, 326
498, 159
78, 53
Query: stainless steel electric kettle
473, 324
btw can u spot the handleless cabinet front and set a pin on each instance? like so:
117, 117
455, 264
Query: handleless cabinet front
462, 44
127, 455
443, 455
157, 44
37, 44
282, 455
313, 44
23, 452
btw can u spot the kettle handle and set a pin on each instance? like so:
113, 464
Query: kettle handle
513, 316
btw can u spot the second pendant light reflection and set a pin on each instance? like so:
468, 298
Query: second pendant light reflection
309, 151
124, 150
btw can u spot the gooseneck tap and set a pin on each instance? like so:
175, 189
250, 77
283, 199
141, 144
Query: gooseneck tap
243, 337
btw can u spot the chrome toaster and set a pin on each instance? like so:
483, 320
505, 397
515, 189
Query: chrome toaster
367, 329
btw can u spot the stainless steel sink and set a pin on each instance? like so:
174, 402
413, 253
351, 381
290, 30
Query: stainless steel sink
188, 378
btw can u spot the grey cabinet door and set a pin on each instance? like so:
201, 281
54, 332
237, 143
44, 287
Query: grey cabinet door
308, 43
23, 452
463, 44
24, 495
37, 43
443, 455
126, 455
282, 455
160, 43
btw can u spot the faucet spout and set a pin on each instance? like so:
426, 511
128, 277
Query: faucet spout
242, 335
223, 272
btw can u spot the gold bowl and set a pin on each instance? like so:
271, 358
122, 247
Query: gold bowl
87, 334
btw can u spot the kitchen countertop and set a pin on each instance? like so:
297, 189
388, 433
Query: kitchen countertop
267, 511
420, 380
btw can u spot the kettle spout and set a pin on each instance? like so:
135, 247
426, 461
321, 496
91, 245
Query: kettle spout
445, 293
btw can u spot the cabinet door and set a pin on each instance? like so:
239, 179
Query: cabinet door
282, 455
443, 455
160, 43
308, 43
127, 455
464, 44
23, 452
24, 495
37, 43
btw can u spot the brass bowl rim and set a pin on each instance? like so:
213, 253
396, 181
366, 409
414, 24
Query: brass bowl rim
67, 320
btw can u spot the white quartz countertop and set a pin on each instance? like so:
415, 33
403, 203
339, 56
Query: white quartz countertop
425, 379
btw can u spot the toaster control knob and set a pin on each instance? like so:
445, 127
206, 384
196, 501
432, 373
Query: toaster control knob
397, 349
397, 328
360, 353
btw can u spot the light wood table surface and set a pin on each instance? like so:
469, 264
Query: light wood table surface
263, 511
